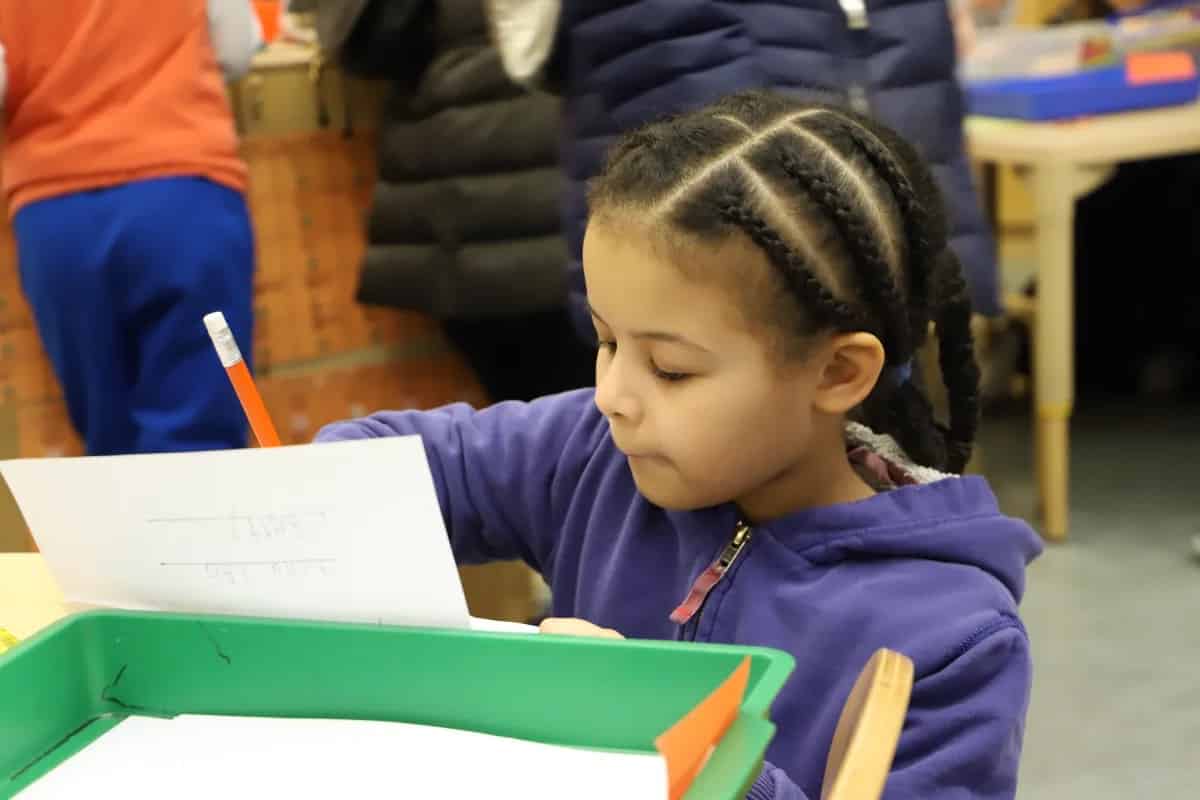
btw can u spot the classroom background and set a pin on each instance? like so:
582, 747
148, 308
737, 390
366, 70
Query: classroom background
1090, 430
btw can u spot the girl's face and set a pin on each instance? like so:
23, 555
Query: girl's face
695, 395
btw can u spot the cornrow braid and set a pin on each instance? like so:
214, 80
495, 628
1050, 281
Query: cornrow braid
935, 290
923, 231
875, 274
956, 358
643, 137
938, 291
828, 310
906, 413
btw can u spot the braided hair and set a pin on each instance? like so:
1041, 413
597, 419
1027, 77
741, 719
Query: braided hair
851, 220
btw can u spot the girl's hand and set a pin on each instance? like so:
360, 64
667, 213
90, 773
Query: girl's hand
561, 626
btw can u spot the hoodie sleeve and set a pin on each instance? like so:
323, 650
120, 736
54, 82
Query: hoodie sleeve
962, 736
504, 475
774, 784
236, 35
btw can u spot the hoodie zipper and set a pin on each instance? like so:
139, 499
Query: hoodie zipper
692, 607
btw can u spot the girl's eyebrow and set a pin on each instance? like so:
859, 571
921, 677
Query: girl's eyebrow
658, 336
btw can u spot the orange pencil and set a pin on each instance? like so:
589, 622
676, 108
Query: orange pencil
239, 376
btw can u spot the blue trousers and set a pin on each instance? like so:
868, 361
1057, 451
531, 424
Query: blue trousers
119, 280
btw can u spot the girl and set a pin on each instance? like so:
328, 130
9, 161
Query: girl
757, 464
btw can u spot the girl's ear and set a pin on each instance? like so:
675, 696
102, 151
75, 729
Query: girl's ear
850, 368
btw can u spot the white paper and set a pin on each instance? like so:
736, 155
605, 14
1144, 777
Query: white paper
206, 757
345, 531
481, 625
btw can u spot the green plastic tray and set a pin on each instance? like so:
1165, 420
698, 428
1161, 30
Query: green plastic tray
67, 686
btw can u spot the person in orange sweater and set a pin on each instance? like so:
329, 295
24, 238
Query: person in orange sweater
123, 182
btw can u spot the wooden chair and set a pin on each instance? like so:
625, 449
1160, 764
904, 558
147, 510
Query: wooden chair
865, 739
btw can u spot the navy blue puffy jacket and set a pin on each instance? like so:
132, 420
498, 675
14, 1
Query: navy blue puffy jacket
623, 64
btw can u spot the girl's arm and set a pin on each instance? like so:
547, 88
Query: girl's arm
962, 736
505, 476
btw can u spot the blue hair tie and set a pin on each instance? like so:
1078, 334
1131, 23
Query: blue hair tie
900, 374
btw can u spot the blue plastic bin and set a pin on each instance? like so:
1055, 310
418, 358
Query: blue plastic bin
1099, 91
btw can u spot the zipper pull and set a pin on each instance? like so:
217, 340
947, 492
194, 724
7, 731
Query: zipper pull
856, 13
711, 576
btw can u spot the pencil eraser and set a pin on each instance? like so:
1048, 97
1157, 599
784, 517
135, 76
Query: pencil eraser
222, 339
215, 322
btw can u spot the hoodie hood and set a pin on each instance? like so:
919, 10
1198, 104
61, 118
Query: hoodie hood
952, 520
935, 516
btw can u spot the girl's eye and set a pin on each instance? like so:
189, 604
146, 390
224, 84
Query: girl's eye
609, 345
670, 377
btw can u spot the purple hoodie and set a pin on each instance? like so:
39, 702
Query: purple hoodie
934, 571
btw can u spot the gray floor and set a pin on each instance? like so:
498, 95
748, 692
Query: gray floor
1114, 614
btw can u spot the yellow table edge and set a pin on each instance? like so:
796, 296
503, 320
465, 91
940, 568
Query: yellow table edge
30, 600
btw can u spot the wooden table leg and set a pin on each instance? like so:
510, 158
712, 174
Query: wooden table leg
1055, 190
1053, 470
1054, 341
